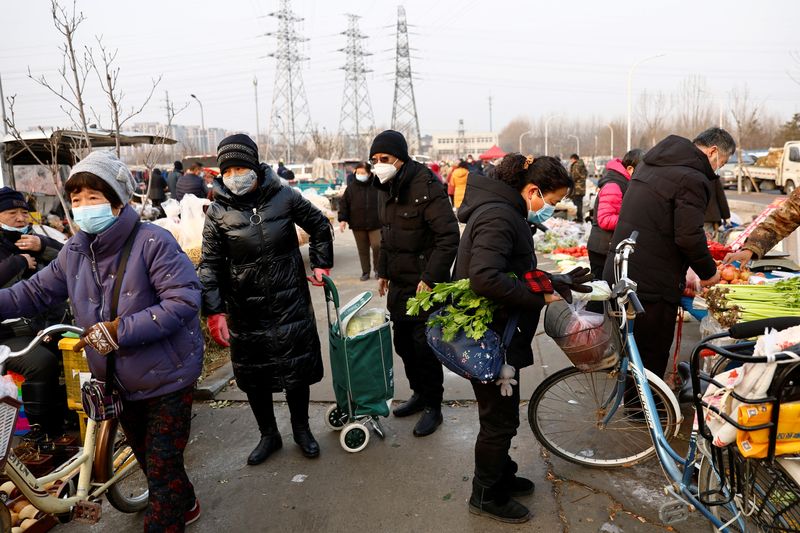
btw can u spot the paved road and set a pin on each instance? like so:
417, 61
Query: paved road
400, 484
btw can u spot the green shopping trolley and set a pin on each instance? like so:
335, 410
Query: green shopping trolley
361, 367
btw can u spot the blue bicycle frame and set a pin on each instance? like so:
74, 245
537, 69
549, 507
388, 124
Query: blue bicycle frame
677, 468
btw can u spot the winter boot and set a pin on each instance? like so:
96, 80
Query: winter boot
496, 504
270, 442
415, 404
305, 439
430, 420
516, 486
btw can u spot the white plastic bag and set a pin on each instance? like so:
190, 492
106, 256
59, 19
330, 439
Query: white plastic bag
7, 387
365, 320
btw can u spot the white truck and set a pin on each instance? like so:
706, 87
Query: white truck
785, 175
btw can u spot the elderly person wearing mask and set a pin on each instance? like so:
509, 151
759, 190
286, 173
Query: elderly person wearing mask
255, 290
154, 339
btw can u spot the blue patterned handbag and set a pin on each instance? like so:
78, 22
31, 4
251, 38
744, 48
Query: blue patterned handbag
469, 358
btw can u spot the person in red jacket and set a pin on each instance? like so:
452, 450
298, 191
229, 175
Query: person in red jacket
607, 205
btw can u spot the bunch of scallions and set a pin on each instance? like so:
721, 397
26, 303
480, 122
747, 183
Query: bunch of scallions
730, 304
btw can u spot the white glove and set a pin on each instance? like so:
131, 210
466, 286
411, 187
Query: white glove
506, 381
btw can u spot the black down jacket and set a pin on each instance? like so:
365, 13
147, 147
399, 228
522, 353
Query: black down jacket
419, 234
359, 205
666, 203
251, 268
496, 242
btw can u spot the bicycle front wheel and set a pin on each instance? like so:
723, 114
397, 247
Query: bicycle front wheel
129, 493
567, 410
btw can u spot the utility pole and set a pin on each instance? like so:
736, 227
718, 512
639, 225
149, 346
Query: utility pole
404, 109
3, 107
490, 114
258, 125
289, 95
356, 121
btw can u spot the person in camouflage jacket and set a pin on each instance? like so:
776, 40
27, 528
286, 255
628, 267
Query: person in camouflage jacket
773, 229
578, 173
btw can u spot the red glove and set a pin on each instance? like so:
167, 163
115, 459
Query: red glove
316, 280
218, 328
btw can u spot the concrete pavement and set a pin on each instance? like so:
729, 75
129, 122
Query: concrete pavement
403, 483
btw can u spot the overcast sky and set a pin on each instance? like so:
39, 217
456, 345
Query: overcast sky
533, 57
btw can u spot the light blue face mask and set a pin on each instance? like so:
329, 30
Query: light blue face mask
539, 216
94, 218
23, 229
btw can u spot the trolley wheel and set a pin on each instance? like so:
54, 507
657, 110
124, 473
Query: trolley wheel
354, 437
335, 418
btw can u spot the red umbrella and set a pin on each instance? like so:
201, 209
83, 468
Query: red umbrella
492, 153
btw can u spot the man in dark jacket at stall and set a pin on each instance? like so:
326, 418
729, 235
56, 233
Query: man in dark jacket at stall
419, 241
173, 176
717, 212
666, 203
191, 183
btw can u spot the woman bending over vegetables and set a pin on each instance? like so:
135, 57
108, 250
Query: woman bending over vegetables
496, 242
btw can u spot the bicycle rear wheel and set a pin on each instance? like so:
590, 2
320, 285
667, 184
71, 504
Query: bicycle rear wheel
566, 413
129, 494
770, 496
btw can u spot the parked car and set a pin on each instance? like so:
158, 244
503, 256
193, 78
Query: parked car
728, 171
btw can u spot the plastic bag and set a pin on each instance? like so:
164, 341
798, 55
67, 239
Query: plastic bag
364, 320
7, 387
692, 283
600, 292
587, 338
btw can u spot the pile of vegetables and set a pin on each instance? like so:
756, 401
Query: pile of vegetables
574, 251
561, 234
729, 274
463, 309
734, 303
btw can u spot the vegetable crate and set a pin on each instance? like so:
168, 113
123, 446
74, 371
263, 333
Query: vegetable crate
361, 368
76, 366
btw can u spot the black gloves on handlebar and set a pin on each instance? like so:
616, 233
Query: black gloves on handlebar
573, 280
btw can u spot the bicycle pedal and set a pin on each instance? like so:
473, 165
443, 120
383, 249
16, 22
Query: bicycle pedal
673, 512
87, 512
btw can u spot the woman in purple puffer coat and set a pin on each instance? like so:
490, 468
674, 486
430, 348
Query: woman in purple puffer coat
156, 335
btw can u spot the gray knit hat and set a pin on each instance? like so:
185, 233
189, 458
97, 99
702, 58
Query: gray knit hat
105, 165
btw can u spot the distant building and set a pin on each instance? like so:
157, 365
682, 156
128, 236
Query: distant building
450, 145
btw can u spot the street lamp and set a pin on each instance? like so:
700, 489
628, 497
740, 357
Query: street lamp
630, 92
547, 132
520, 139
577, 143
611, 129
202, 121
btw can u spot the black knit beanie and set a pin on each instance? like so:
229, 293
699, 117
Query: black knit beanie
390, 142
237, 151
11, 199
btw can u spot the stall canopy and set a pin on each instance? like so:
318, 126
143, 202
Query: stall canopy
492, 153
44, 143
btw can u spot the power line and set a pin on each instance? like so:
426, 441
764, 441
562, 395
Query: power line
289, 104
404, 109
356, 122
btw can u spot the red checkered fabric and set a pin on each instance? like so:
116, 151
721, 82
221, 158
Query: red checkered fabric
538, 282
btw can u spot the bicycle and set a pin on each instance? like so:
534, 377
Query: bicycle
598, 419
104, 465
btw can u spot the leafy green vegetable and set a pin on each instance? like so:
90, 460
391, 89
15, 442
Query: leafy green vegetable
464, 309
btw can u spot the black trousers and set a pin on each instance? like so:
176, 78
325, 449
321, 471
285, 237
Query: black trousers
423, 370
654, 331
367, 240
499, 419
597, 262
577, 199
264, 410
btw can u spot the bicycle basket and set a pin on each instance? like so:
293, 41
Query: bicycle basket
9, 408
588, 339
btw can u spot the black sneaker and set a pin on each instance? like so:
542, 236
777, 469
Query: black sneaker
364, 276
413, 405
430, 420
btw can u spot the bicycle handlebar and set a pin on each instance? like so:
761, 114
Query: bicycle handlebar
637, 305
6, 353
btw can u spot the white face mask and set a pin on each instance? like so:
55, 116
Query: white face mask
241, 184
384, 171
362, 177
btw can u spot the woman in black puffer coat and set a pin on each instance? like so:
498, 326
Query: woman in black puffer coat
252, 270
